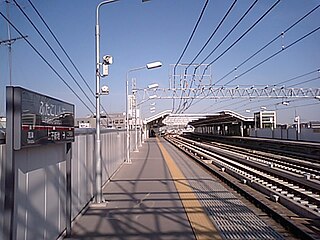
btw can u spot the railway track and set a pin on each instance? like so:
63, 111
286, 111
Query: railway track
286, 181
299, 150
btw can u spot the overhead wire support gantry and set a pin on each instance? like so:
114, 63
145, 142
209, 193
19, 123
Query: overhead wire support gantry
232, 92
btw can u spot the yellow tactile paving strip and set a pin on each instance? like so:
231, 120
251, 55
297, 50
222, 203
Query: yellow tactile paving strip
201, 224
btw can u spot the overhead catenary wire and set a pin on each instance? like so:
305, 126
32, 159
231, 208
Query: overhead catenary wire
189, 40
281, 103
283, 48
275, 54
269, 43
43, 58
193, 32
303, 82
201, 50
235, 42
242, 35
304, 105
300, 76
179, 109
219, 44
225, 106
230, 31
213, 33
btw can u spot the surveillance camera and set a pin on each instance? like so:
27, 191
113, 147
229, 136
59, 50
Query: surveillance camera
105, 90
107, 60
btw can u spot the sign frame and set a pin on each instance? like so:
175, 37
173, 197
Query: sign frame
39, 119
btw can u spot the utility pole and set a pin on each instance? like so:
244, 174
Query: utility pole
9, 43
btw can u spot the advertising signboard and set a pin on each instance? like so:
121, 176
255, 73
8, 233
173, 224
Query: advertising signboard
40, 119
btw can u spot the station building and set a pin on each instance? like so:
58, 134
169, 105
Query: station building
265, 119
110, 121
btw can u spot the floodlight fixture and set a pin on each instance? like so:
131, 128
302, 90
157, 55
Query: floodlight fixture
153, 96
154, 65
153, 86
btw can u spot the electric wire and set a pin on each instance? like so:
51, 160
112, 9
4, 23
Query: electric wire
60, 45
245, 33
294, 78
224, 106
213, 33
261, 100
193, 32
201, 50
291, 79
269, 43
304, 105
188, 42
43, 58
284, 48
219, 44
306, 81
275, 54
235, 42
53, 51
231, 30
284, 107
179, 109
65, 52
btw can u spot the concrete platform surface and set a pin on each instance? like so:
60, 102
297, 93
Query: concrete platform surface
165, 195
142, 203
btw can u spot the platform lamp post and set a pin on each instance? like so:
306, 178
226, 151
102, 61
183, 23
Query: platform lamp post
98, 194
153, 86
147, 66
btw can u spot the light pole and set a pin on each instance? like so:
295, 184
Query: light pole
148, 66
98, 195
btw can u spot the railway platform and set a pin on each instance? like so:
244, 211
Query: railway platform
163, 195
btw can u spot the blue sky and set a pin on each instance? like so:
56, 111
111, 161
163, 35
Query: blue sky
136, 33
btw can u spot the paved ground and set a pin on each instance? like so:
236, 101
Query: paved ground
142, 203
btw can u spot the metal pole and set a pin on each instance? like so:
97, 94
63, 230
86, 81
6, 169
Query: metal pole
148, 66
69, 190
9, 45
135, 119
128, 160
135, 124
98, 197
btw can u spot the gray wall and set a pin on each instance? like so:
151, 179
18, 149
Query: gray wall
40, 190
307, 134
2, 157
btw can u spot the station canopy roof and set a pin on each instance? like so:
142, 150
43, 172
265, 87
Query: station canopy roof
223, 117
167, 118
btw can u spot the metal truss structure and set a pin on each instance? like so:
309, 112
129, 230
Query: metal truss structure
231, 92
188, 83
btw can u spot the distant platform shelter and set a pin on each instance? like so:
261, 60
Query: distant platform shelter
226, 123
